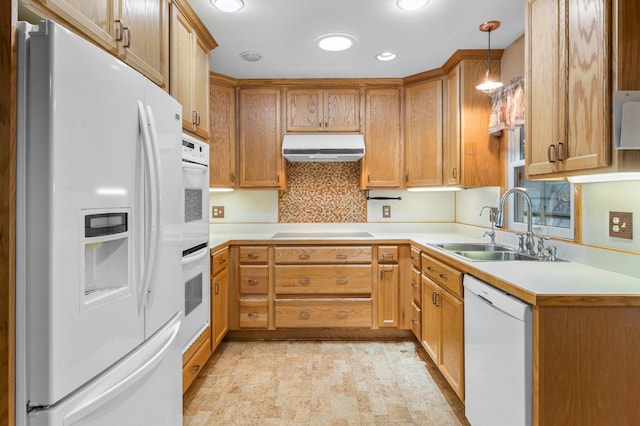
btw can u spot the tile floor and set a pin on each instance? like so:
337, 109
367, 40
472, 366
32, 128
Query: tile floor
321, 383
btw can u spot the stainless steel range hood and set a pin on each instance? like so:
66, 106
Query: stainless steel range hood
323, 147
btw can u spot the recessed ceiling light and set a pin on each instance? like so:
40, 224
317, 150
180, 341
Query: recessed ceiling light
228, 6
411, 4
386, 56
250, 56
335, 42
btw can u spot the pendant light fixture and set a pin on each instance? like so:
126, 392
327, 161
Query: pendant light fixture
489, 84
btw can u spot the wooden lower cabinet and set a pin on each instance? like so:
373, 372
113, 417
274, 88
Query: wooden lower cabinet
194, 358
323, 279
219, 297
314, 313
443, 320
254, 313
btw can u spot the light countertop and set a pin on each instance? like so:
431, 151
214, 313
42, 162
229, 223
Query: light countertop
547, 283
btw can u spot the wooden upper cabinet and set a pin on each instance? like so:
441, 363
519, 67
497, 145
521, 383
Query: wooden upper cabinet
135, 30
382, 164
143, 27
222, 135
190, 46
260, 139
471, 155
567, 62
323, 110
423, 134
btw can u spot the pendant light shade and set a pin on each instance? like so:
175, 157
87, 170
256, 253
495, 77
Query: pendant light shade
489, 84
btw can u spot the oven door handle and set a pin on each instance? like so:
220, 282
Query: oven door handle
194, 166
194, 257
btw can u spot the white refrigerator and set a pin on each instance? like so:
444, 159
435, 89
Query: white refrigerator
98, 297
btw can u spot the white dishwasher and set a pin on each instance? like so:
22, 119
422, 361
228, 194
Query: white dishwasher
498, 356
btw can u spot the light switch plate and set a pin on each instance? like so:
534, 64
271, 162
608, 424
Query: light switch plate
217, 212
621, 225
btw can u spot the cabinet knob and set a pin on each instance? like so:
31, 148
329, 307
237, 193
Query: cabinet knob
253, 315
341, 256
253, 255
303, 256
304, 315
431, 268
342, 314
304, 281
443, 276
253, 282
414, 284
342, 281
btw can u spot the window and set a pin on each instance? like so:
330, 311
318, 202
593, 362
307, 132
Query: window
552, 200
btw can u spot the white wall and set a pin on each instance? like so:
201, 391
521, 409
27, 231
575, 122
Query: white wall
261, 206
600, 198
469, 202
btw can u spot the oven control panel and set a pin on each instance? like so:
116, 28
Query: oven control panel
195, 151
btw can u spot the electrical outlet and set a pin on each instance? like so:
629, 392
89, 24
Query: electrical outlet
217, 212
621, 225
386, 211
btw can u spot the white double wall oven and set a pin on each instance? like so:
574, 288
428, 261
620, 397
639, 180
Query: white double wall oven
195, 238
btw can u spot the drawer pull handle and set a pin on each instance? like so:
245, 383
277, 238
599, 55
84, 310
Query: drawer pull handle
304, 315
342, 281
217, 288
341, 256
433, 298
443, 276
303, 256
431, 268
222, 260
387, 255
195, 369
304, 281
253, 255
414, 285
253, 315
342, 314
414, 321
254, 282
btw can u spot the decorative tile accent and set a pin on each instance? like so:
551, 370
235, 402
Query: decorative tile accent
323, 193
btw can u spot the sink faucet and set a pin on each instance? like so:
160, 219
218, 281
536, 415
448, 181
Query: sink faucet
528, 245
492, 219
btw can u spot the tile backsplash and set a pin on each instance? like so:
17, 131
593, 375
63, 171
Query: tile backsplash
323, 193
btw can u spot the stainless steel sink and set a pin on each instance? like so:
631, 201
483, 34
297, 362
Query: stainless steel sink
494, 255
481, 247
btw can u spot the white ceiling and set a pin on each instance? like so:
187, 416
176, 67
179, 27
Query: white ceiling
283, 31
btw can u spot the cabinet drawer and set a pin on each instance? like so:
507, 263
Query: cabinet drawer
254, 254
193, 367
416, 321
442, 274
254, 313
219, 261
416, 287
414, 256
254, 279
325, 279
388, 254
314, 313
347, 254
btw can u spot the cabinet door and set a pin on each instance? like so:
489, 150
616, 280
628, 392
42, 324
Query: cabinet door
182, 62
146, 41
341, 110
304, 110
588, 92
201, 89
381, 165
452, 350
219, 304
423, 134
431, 319
452, 129
94, 18
388, 287
260, 139
544, 107
222, 136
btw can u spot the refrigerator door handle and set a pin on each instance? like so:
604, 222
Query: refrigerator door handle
151, 216
117, 381
153, 133
195, 256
